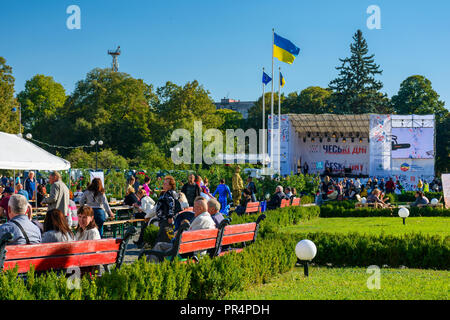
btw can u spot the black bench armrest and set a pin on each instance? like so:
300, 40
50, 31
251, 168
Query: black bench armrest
3, 242
131, 231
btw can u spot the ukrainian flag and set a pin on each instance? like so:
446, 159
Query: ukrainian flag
282, 81
284, 50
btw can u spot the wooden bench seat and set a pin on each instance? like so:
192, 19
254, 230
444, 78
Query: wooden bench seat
211, 240
63, 255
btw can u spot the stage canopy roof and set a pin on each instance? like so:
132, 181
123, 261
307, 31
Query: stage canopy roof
20, 154
349, 125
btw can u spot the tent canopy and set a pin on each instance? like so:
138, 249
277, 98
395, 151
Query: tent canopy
20, 154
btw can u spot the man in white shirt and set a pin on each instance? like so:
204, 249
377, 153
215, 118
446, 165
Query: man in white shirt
201, 221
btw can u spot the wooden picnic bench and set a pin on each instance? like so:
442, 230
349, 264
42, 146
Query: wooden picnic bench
63, 255
252, 207
295, 202
285, 203
211, 240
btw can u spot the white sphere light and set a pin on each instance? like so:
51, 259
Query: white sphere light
100, 143
403, 212
267, 196
92, 142
434, 201
305, 250
29, 136
363, 200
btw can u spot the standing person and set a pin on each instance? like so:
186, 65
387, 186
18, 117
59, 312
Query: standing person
165, 210
390, 186
145, 185
191, 190
420, 185
95, 198
56, 228
252, 187
224, 192
59, 194
78, 194
87, 229
30, 185
238, 186
24, 231
305, 168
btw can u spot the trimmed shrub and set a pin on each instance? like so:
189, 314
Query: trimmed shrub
333, 211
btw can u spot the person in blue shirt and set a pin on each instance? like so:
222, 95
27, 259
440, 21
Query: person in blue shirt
21, 191
30, 185
224, 191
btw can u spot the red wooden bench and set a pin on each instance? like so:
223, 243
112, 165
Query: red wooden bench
63, 255
211, 240
252, 207
285, 203
295, 202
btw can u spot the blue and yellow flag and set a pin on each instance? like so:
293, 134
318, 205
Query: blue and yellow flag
284, 50
282, 82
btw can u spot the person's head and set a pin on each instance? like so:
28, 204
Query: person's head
53, 177
96, 186
41, 189
146, 180
249, 179
205, 181
213, 206
19, 187
141, 193
419, 194
169, 183
55, 220
198, 179
279, 189
287, 190
132, 180
183, 200
247, 192
376, 192
191, 178
200, 206
130, 190
326, 179
31, 174
86, 219
222, 181
18, 205
294, 191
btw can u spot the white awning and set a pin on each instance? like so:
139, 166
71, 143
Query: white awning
20, 154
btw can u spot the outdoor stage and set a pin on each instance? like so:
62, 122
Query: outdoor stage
361, 145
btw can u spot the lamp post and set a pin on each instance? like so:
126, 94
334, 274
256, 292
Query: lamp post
96, 144
306, 251
20, 118
403, 213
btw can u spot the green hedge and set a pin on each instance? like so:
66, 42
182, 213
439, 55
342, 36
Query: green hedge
408, 196
327, 211
411, 250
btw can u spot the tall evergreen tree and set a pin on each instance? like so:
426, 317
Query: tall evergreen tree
356, 90
9, 108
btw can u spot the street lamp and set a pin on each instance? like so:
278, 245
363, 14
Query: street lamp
96, 144
306, 251
403, 213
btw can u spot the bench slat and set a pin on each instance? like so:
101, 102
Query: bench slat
199, 235
252, 204
47, 263
197, 246
236, 238
230, 251
240, 228
61, 248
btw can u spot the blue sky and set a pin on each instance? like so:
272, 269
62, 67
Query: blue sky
225, 44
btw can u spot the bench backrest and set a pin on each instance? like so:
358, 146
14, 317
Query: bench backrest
239, 233
63, 255
284, 203
295, 202
252, 207
198, 240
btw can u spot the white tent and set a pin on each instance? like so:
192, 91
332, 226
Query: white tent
20, 154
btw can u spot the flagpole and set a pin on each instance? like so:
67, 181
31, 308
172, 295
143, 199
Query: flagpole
271, 108
264, 126
279, 121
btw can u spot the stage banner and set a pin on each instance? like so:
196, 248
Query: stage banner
445, 178
414, 143
335, 155
284, 154
380, 144
409, 171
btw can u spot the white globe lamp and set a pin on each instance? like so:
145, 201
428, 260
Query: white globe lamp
306, 251
403, 213
434, 201
363, 200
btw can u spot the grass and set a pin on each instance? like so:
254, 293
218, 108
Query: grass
375, 226
351, 284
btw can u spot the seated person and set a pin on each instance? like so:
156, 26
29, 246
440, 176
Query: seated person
275, 201
20, 225
332, 193
247, 197
214, 211
130, 197
22, 191
376, 197
420, 199
56, 228
201, 221
41, 194
87, 229
145, 207
78, 194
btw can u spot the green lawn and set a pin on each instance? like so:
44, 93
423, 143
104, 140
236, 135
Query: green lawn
376, 225
351, 284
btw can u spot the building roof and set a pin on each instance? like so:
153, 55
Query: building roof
319, 124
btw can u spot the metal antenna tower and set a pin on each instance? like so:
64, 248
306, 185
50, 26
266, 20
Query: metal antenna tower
115, 62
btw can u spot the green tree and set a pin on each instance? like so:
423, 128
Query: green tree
42, 101
231, 119
150, 156
314, 100
254, 119
355, 90
9, 121
107, 105
107, 159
